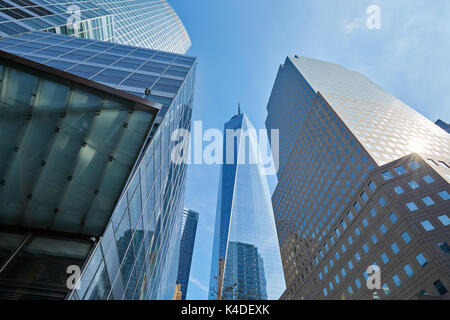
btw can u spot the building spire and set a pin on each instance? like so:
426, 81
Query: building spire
239, 108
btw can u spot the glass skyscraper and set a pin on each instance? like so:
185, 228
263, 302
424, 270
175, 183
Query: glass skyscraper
363, 180
246, 263
86, 179
151, 24
188, 232
443, 125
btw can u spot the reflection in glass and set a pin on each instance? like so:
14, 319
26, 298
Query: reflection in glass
246, 263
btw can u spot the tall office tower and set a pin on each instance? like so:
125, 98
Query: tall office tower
443, 125
246, 263
151, 24
364, 180
87, 186
188, 231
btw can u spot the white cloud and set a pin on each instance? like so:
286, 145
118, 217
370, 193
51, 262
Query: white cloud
355, 24
199, 284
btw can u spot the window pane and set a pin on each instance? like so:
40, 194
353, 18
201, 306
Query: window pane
444, 220
427, 225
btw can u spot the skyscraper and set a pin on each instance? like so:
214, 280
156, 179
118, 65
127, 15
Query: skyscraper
87, 187
443, 125
188, 231
151, 24
363, 180
246, 263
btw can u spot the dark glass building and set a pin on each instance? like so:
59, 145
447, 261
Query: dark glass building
246, 263
443, 125
363, 181
88, 191
188, 232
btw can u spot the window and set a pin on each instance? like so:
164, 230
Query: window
331, 240
343, 248
382, 202
365, 275
372, 186
414, 165
350, 216
365, 222
337, 232
440, 287
444, 220
336, 279
343, 224
445, 165
374, 239
397, 280
350, 290
409, 271
364, 197
331, 286
413, 185
383, 229
406, 237
393, 218
326, 247
325, 293
421, 260
427, 225
357, 232
395, 248
350, 240
365, 248
386, 289
343, 272
400, 170
373, 212
432, 162
320, 276
399, 190
358, 283
316, 260
444, 195
444, 247
325, 269
357, 206
350, 265
412, 206
321, 253
337, 255
428, 179
357, 257
387, 175
385, 258
428, 201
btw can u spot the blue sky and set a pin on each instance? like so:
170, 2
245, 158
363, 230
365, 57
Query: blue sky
241, 43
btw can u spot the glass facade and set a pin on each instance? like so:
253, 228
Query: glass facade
188, 231
345, 144
443, 125
56, 16
151, 24
68, 145
246, 263
150, 74
91, 140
